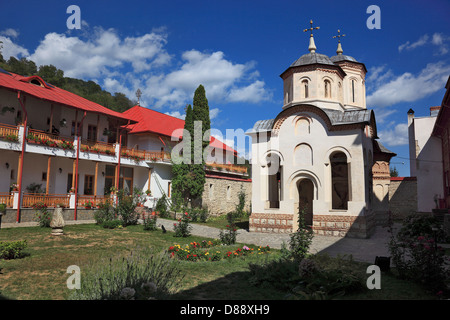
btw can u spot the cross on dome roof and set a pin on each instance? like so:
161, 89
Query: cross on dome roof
312, 45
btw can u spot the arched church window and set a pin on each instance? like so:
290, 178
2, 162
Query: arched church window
339, 181
353, 91
274, 180
305, 88
327, 85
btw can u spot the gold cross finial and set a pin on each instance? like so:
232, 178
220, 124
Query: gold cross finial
339, 48
311, 28
312, 47
339, 35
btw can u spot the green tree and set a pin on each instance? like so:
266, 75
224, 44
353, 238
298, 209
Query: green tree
23, 66
394, 172
51, 74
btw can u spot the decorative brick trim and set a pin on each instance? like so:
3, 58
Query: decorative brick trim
328, 225
271, 223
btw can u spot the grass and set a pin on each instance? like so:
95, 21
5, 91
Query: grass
41, 274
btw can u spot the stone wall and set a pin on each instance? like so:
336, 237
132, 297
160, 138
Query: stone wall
402, 196
221, 194
27, 215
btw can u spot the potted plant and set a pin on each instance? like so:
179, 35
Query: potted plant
15, 187
88, 205
148, 192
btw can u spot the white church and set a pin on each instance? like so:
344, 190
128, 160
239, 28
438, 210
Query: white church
320, 154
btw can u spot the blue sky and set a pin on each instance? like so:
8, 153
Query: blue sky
237, 50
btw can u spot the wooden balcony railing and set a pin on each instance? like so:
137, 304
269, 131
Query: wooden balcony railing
97, 147
9, 133
50, 200
49, 140
227, 167
146, 155
92, 201
7, 199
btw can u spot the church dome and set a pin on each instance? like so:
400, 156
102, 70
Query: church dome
342, 57
312, 58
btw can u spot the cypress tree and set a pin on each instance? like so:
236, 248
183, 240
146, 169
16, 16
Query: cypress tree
181, 181
200, 113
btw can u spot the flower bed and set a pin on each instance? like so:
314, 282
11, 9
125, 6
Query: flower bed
211, 251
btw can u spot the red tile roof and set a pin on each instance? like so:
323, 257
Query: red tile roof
156, 122
52, 94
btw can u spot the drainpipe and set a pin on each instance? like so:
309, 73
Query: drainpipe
22, 153
76, 165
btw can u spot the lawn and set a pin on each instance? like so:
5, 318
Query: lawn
41, 274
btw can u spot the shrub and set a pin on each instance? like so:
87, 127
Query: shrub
161, 207
228, 237
417, 256
105, 213
140, 275
42, 215
112, 224
183, 227
126, 208
280, 273
301, 239
420, 260
12, 249
150, 222
328, 276
416, 225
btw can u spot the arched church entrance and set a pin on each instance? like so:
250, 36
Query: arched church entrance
305, 199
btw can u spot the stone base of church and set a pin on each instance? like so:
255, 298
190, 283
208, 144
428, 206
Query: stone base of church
328, 225
344, 226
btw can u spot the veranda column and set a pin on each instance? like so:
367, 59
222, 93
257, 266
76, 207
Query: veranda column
47, 185
95, 179
73, 174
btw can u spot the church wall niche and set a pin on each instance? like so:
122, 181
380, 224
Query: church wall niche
302, 126
303, 155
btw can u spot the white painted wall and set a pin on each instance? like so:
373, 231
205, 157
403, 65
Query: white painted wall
427, 166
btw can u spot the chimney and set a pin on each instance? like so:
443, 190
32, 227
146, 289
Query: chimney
434, 111
410, 116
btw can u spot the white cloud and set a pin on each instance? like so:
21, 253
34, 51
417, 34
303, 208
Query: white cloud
10, 49
176, 114
213, 113
101, 54
408, 87
395, 135
440, 40
437, 39
221, 78
409, 46
254, 92
12, 33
